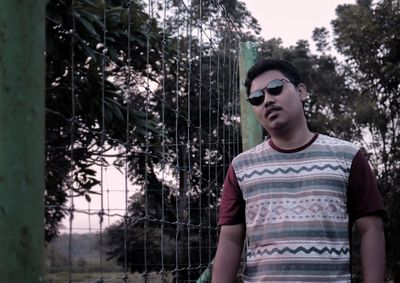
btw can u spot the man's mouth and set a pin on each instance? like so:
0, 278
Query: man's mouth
272, 110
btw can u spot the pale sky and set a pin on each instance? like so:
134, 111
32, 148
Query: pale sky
291, 20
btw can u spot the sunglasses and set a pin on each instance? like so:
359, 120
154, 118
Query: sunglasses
274, 88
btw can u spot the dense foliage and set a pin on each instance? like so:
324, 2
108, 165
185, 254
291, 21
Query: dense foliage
89, 111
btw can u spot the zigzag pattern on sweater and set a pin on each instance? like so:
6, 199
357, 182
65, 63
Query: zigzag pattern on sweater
291, 170
298, 250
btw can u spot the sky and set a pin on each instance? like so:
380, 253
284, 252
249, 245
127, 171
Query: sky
290, 20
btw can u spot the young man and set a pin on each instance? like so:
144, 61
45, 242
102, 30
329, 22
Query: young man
295, 196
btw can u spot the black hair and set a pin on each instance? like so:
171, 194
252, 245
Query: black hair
285, 67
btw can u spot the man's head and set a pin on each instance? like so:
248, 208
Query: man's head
264, 65
276, 92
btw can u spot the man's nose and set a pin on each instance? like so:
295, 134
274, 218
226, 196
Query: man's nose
268, 98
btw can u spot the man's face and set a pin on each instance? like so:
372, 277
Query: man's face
283, 112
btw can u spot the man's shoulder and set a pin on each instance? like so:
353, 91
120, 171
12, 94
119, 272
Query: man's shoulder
249, 155
336, 149
261, 148
336, 143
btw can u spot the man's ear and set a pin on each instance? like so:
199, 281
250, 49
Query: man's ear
302, 90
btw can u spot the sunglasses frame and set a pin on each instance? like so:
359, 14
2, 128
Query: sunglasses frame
273, 88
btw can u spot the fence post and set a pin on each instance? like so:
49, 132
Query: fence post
250, 128
22, 88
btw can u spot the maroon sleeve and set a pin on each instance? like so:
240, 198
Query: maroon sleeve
232, 209
363, 195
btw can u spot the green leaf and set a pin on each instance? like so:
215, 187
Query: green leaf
88, 26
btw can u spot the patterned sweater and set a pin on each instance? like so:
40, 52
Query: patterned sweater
297, 207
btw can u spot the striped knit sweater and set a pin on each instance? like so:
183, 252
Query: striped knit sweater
297, 221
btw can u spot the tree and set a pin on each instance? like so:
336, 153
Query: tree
367, 34
195, 107
88, 100
136, 243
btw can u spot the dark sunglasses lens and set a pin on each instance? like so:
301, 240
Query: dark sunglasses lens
275, 87
256, 97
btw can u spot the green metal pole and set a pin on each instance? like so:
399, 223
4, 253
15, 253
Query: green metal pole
22, 88
250, 128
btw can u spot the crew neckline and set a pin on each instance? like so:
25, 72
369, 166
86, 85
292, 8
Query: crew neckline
271, 143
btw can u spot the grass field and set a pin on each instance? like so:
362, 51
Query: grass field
112, 277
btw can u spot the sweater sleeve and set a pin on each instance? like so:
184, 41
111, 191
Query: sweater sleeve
232, 209
363, 195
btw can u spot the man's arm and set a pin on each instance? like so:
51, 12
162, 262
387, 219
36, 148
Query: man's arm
372, 248
229, 251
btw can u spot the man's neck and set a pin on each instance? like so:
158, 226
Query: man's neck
292, 140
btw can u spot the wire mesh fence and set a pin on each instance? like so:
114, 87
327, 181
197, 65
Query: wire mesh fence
142, 114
